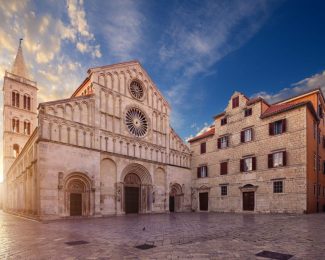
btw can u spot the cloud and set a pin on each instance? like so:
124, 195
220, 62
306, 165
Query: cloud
315, 81
199, 35
123, 28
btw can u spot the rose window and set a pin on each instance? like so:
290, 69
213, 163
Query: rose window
136, 90
136, 122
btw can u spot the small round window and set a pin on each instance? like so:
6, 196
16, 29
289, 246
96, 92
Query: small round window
136, 90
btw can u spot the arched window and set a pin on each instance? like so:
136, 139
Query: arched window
15, 125
16, 150
15, 99
27, 127
27, 102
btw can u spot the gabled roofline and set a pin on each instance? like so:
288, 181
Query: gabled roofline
305, 93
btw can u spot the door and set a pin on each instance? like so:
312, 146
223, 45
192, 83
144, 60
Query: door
204, 201
249, 200
171, 203
131, 200
75, 204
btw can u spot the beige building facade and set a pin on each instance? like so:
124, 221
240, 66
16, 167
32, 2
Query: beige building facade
262, 158
106, 150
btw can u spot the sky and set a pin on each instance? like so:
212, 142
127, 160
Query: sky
198, 52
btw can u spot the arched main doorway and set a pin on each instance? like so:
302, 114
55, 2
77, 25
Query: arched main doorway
77, 195
132, 193
137, 189
175, 198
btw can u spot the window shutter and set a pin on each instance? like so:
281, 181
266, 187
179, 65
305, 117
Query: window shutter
270, 160
284, 158
206, 170
233, 102
199, 172
241, 165
227, 138
252, 134
323, 141
242, 136
254, 163
271, 129
223, 168
219, 143
284, 127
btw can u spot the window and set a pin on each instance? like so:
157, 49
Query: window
278, 187
277, 159
202, 171
248, 112
16, 150
223, 168
323, 167
235, 102
15, 125
224, 190
223, 142
203, 148
15, 99
277, 127
315, 161
248, 164
224, 121
27, 128
26, 102
246, 135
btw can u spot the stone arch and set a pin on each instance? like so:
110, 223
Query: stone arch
176, 197
76, 112
108, 177
84, 113
137, 189
140, 170
68, 112
59, 111
78, 195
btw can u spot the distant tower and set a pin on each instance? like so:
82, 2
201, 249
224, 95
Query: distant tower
20, 109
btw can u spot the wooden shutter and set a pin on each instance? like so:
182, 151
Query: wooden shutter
242, 136
284, 125
203, 147
219, 143
252, 134
254, 163
223, 168
271, 129
323, 141
199, 172
241, 165
206, 170
284, 158
270, 160
227, 139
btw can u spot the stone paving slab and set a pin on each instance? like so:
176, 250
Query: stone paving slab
175, 236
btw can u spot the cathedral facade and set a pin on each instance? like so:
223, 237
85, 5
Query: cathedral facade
106, 150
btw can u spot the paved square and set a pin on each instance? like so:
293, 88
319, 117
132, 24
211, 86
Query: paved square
175, 236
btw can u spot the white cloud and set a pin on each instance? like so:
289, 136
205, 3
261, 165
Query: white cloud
315, 81
123, 28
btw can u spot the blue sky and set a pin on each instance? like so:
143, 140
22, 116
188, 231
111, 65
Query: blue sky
197, 52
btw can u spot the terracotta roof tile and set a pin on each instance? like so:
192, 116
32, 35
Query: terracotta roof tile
205, 134
275, 109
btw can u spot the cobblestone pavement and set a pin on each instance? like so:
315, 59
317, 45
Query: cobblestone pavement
176, 236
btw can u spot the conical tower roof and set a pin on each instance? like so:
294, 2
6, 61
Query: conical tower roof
19, 67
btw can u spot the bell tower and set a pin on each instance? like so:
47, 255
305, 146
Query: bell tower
19, 111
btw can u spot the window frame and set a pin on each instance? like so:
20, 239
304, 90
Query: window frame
249, 110
203, 147
277, 188
272, 127
223, 121
224, 190
199, 171
224, 168
243, 135
235, 102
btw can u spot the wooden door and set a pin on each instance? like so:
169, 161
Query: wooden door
75, 204
204, 201
131, 200
171, 203
249, 200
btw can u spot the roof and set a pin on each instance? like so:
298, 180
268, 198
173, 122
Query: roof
255, 100
205, 134
19, 67
307, 92
279, 108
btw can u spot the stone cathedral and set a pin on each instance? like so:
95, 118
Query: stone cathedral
106, 150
